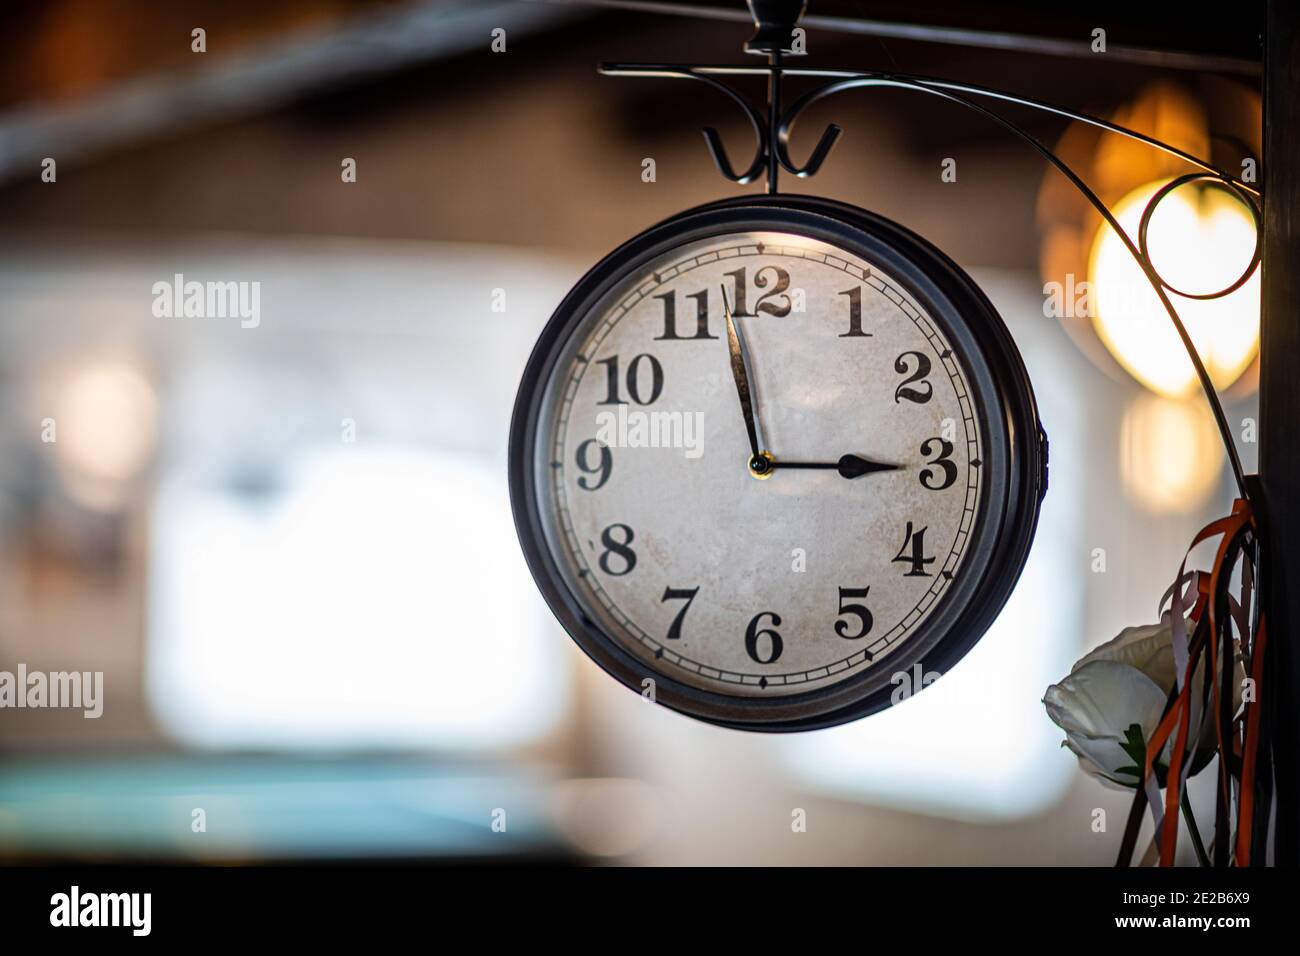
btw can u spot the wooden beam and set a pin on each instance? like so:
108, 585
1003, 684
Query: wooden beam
1279, 411
1072, 38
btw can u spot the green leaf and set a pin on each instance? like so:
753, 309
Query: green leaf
1134, 744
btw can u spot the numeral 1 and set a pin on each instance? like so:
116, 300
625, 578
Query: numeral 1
855, 314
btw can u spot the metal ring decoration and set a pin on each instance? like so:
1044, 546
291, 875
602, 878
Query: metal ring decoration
774, 143
1246, 199
949, 91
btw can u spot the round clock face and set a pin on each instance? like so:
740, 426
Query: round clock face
763, 459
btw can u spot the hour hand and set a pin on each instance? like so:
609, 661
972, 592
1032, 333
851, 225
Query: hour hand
849, 466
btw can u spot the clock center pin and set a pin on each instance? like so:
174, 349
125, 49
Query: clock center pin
760, 465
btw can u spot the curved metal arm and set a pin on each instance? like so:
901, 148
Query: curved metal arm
711, 137
847, 80
1138, 250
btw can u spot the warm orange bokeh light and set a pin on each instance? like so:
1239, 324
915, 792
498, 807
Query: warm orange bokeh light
1200, 240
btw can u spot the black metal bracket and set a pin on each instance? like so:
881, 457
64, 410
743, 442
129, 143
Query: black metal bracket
775, 37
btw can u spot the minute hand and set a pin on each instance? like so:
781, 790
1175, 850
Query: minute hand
740, 372
849, 466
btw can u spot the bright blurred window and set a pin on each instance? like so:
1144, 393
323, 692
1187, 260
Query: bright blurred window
370, 597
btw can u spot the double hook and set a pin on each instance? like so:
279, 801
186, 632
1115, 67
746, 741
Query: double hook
825, 144
762, 157
772, 132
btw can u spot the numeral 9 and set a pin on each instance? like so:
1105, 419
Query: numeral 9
603, 467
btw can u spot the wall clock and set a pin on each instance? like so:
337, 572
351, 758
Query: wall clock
770, 455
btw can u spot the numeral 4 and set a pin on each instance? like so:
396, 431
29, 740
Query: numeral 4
917, 559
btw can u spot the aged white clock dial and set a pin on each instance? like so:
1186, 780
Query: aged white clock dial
770, 455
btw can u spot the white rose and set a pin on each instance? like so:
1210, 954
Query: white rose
1111, 702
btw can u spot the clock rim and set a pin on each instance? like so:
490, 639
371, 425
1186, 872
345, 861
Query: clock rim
945, 291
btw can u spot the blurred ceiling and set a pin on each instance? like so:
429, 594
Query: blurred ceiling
262, 52
247, 137
66, 48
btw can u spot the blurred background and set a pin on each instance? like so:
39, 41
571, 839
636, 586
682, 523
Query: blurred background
287, 544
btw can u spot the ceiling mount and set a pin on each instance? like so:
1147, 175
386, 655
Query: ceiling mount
775, 22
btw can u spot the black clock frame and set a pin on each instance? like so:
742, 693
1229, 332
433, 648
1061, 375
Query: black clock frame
1014, 461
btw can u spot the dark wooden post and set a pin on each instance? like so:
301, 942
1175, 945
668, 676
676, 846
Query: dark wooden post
1279, 407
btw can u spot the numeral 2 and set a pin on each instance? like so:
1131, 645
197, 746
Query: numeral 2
922, 370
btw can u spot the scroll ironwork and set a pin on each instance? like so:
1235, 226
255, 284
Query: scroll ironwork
772, 130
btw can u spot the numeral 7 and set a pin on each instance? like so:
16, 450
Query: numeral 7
679, 594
